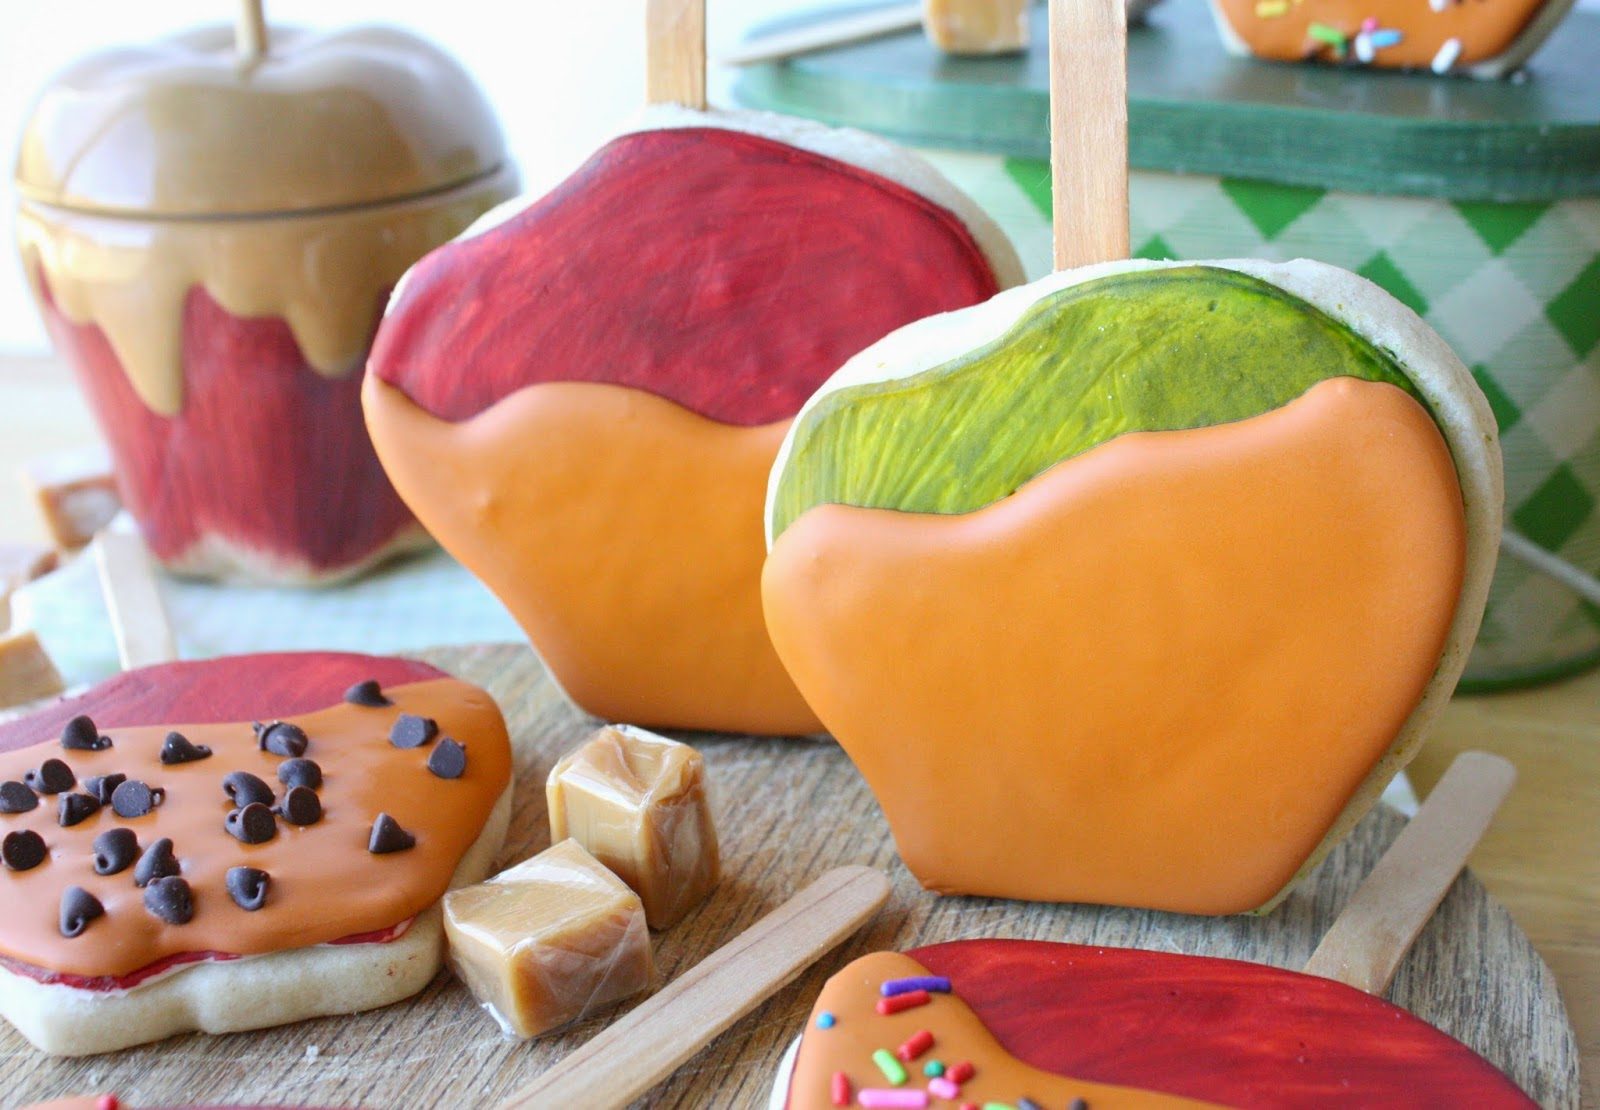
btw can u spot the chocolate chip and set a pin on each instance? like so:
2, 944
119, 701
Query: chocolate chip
135, 799
52, 777
80, 735
282, 738
411, 731
1078, 1104
78, 908
115, 850
17, 798
103, 787
178, 748
248, 887
300, 772
22, 850
158, 862
254, 824
74, 809
387, 836
368, 693
171, 900
449, 759
301, 806
244, 788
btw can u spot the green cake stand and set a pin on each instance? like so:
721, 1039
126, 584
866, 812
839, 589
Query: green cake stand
1476, 203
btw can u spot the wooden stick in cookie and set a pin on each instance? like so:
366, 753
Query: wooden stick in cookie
582, 396
1123, 1028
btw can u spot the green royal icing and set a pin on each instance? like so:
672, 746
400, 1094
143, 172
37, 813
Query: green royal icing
1145, 351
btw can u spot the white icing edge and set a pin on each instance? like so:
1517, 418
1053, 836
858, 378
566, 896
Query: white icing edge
780, 1085
842, 144
254, 993
1440, 377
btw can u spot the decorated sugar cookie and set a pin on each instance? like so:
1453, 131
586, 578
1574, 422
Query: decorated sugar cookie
1032, 1023
1483, 38
582, 397
239, 843
1137, 584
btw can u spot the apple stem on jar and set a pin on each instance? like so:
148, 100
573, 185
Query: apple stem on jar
250, 31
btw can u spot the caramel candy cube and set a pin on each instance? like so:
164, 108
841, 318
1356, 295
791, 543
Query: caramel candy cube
976, 26
637, 802
553, 940
75, 492
26, 672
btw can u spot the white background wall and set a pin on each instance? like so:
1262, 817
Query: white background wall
562, 73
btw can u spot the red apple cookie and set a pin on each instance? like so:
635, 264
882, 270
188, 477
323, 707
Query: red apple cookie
1014, 1023
582, 399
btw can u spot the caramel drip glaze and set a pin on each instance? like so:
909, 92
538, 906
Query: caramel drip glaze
325, 884
859, 1030
325, 273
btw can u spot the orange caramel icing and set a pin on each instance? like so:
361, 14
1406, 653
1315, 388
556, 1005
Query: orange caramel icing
325, 885
634, 569
1484, 28
1155, 675
859, 1030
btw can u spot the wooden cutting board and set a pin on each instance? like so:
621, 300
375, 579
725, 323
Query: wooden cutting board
787, 811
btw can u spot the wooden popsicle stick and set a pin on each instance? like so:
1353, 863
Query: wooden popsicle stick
653, 1040
138, 618
838, 31
250, 31
675, 52
1089, 130
1375, 930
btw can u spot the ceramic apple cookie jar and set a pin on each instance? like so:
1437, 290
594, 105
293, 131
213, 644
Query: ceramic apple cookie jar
1136, 585
581, 397
211, 233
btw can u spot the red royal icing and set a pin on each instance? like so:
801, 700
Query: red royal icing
724, 271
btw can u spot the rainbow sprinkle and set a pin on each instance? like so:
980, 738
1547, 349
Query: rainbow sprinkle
934, 984
826, 1020
873, 1097
1271, 9
890, 1067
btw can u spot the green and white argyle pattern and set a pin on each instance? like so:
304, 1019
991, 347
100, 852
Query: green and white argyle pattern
1514, 288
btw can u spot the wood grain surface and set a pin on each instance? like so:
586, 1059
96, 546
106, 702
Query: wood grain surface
787, 811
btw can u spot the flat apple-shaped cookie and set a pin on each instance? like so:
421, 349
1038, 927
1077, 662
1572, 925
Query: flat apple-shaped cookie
998, 1022
239, 843
582, 398
1137, 584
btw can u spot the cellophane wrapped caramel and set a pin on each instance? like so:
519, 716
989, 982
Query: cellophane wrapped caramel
553, 940
638, 803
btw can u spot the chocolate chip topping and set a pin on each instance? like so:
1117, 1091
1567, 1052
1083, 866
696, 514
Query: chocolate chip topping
300, 772
135, 799
301, 806
368, 693
411, 731
52, 777
74, 809
449, 759
78, 908
115, 850
15, 797
282, 738
248, 887
158, 862
387, 836
80, 735
171, 900
245, 788
22, 850
103, 787
254, 824
177, 748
